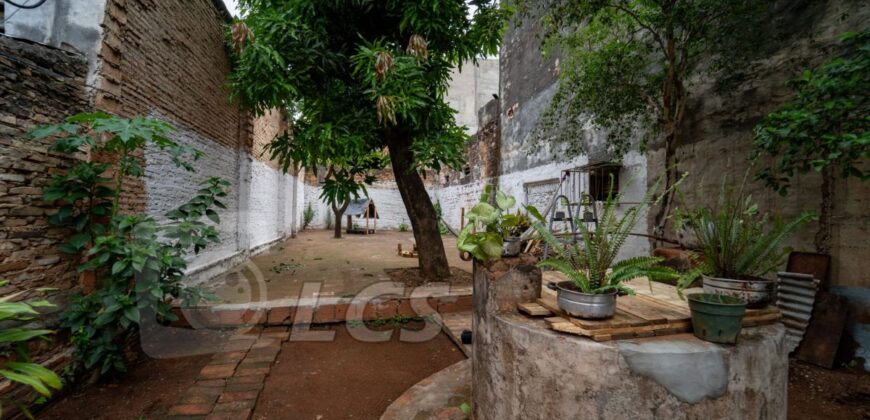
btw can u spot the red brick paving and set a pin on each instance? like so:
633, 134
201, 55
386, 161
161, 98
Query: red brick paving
228, 387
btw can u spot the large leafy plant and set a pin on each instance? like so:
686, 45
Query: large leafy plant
734, 240
16, 317
483, 236
825, 129
593, 267
138, 262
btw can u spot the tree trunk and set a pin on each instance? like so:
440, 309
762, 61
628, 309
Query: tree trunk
424, 220
339, 212
823, 235
671, 174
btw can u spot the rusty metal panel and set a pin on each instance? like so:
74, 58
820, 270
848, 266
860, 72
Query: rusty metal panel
796, 295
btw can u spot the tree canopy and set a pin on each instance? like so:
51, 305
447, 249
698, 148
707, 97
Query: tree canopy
361, 75
626, 66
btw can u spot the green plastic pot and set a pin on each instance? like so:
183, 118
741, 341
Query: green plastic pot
717, 318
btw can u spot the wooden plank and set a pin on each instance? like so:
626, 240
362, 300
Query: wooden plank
666, 305
822, 338
620, 319
533, 309
640, 309
670, 313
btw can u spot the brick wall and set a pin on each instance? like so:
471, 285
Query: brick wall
38, 85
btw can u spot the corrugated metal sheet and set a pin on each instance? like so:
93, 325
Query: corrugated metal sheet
796, 295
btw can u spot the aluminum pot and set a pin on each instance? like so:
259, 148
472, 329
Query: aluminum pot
756, 293
583, 305
511, 247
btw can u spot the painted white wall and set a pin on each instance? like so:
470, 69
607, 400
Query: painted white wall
260, 202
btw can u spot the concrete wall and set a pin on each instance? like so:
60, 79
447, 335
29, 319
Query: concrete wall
69, 25
470, 89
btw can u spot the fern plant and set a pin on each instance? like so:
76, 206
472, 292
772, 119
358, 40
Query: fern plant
733, 239
14, 338
593, 268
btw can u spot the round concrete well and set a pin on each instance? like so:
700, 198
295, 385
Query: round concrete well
522, 369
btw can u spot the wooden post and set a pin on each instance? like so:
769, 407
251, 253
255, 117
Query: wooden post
367, 220
461, 218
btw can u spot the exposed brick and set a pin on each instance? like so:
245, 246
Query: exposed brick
190, 409
231, 415
234, 406
217, 371
281, 315
233, 396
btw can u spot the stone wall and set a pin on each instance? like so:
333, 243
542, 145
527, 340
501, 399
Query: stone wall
38, 85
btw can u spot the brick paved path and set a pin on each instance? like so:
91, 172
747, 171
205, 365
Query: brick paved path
228, 387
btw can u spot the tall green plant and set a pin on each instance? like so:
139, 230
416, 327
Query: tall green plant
16, 316
139, 262
826, 128
629, 64
307, 216
594, 267
734, 240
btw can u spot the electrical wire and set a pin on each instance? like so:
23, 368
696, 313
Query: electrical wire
25, 5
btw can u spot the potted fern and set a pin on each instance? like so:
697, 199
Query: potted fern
595, 276
736, 245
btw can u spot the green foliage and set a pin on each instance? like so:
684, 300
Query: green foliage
442, 228
826, 125
307, 216
483, 236
627, 64
594, 268
733, 239
139, 261
403, 227
327, 220
16, 317
356, 72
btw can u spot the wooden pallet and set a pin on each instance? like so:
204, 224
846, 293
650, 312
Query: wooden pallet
636, 316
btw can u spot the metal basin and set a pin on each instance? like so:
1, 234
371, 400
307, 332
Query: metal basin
583, 305
511, 247
756, 293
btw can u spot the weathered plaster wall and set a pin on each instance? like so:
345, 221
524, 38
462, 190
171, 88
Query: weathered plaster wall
69, 25
719, 129
470, 89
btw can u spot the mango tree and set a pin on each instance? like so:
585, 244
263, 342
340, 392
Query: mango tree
375, 71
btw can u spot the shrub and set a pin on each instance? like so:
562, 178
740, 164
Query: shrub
138, 260
307, 216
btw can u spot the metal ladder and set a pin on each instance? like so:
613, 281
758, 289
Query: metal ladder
579, 207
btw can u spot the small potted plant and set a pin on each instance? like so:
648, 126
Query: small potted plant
595, 276
492, 232
737, 246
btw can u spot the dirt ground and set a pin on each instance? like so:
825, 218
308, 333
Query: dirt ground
346, 378
411, 276
820, 394
146, 392
342, 266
